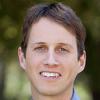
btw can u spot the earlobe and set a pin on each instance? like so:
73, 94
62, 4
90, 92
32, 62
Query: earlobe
21, 57
82, 61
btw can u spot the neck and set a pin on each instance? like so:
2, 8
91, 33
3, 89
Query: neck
61, 96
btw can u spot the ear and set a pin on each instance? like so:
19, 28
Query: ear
82, 61
21, 57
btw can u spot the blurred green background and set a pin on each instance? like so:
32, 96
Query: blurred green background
13, 82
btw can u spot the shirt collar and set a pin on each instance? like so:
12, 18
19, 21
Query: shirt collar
75, 96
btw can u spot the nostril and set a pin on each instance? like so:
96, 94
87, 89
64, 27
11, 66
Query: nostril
51, 62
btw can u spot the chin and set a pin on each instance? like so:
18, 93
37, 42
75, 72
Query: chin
50, 91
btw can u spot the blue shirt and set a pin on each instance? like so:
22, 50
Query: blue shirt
75, 96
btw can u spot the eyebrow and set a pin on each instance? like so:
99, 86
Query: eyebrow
43, 43
66, 44
38, 43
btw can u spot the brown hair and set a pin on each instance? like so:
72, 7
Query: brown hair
59, 13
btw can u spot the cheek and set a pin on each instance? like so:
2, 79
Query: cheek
70, 64
70, 70
32, 66
68, 59
33, 61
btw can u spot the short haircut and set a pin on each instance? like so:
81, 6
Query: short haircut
59, 13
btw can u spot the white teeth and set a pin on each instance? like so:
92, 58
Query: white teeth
50, 74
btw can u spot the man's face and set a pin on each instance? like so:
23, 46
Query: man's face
51, 61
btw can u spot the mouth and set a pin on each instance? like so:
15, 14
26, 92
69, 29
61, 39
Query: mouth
52, 75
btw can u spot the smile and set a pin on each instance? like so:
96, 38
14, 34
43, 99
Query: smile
50, 74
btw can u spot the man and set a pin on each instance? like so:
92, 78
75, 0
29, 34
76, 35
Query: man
52, 51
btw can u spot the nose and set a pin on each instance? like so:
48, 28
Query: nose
51, 59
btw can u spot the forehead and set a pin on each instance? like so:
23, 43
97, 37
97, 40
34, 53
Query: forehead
49, 31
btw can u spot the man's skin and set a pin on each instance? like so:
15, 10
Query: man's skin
51, 61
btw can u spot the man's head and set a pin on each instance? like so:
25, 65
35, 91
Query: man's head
58, 13
52, 50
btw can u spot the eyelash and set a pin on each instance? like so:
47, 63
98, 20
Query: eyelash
40, 48
58, 50
63, 50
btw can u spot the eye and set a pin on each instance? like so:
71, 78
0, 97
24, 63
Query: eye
62, 50
40, 49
